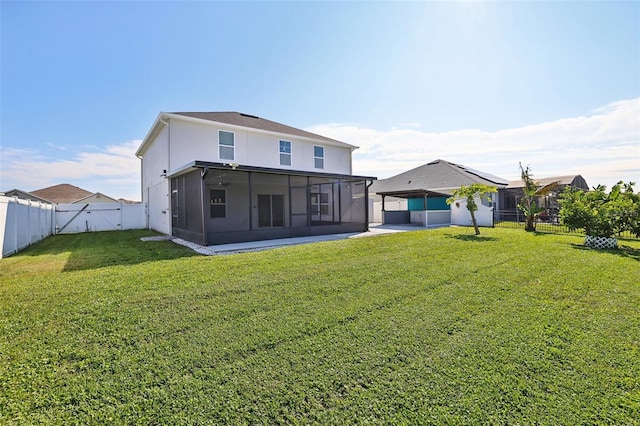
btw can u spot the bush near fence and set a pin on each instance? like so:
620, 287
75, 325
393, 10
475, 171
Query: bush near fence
549, 222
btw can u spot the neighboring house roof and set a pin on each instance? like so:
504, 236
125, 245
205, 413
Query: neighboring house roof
237, 119
573, 180
96, 197
125, 201
439, 176
24, 195
62, 193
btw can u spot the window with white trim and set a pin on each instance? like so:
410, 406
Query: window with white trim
318, 157
285, 153
226, 145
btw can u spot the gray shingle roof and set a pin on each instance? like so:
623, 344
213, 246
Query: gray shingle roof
254, 122
24, 195
436, 176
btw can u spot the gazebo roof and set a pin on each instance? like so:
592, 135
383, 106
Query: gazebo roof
437, 178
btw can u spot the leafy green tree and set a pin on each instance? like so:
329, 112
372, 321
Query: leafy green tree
469, 193
602, 214
528, 204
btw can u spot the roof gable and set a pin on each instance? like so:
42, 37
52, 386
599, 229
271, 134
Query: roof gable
62, 193
97, 197
24, 195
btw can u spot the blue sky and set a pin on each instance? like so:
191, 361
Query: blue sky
555, 85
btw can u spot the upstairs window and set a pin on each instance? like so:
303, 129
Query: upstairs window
285, 153
226, 145
318, 157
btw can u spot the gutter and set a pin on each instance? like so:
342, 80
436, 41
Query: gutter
166, 123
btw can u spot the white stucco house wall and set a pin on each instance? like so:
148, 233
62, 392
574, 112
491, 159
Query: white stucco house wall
220, 177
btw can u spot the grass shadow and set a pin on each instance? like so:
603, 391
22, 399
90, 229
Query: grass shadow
623, 251
92, 250
475, 238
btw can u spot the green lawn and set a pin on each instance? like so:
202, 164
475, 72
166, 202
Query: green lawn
427, 327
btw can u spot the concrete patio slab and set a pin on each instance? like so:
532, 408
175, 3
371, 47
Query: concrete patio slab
374, 230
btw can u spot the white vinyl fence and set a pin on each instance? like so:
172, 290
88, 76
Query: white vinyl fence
24, 222
74, 218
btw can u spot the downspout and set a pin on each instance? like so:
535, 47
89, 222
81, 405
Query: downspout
366, 205
166, 123
290, 204
147, 209
340, 203
309, 205
170, 215
205, 238
250, 201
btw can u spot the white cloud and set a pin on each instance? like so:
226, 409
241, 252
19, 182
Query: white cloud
604, 146
114, 171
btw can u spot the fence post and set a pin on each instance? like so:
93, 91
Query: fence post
29, 222
15, 227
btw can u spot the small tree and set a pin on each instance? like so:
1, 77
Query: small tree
528, 203
469, 193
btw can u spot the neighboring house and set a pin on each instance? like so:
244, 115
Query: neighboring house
97, 197
222, 177
125, 201
418, 196
24, 195
63, 193
511, 195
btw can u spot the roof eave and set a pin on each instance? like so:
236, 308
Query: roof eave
256, 169
153, 132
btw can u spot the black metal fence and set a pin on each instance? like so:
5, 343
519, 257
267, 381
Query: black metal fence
545, 223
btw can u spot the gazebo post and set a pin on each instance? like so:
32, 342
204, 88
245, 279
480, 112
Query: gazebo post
383, 209
426, 211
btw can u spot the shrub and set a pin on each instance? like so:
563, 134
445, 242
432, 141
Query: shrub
599, 213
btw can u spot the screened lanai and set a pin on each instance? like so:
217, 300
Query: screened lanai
216, 203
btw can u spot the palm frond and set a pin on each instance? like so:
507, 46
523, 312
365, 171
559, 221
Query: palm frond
541, 192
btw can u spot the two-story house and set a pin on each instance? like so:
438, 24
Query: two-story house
222, 177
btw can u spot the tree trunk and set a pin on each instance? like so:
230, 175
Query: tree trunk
475, 223
531, 225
